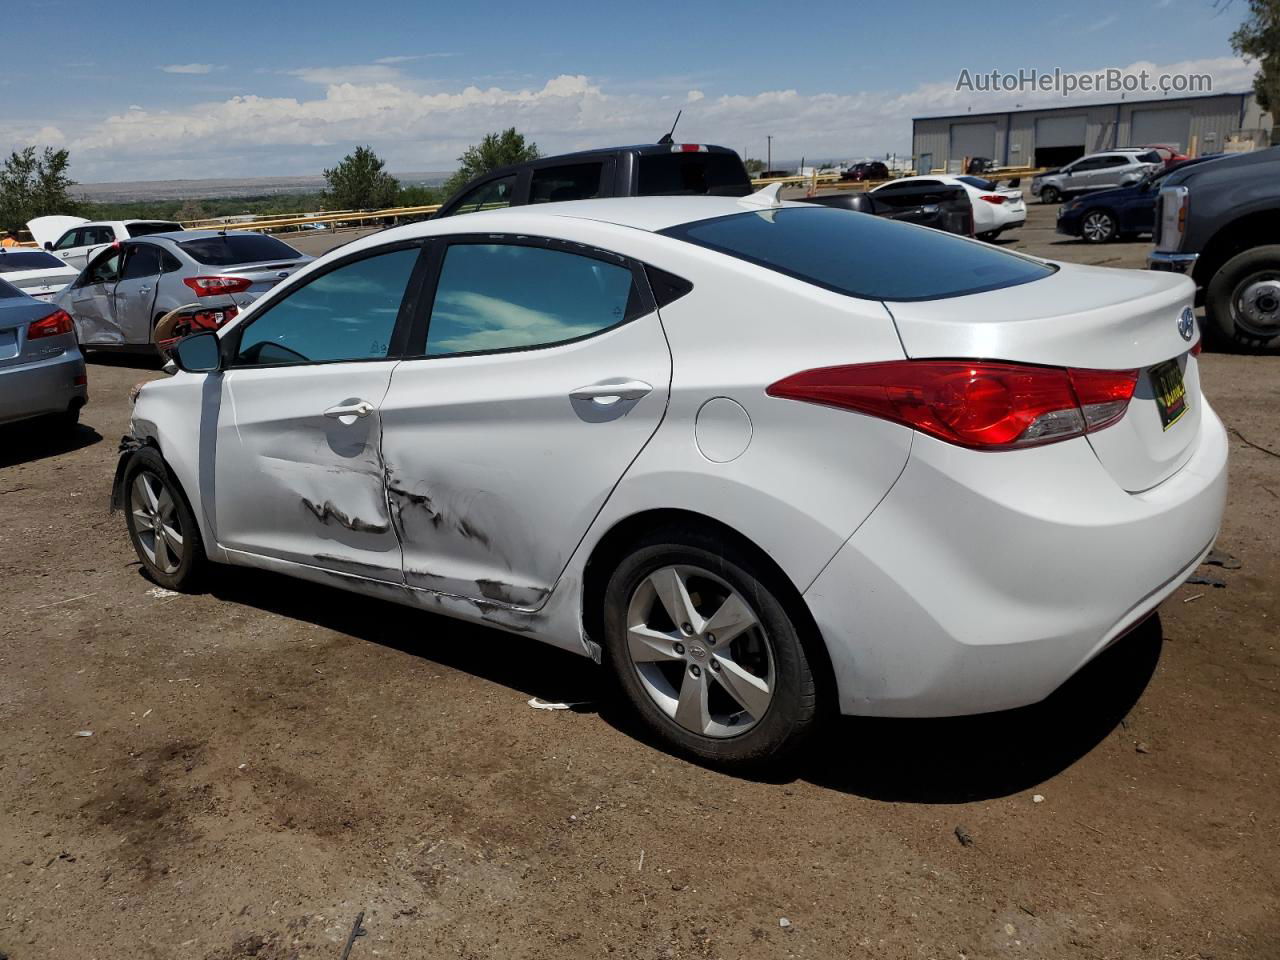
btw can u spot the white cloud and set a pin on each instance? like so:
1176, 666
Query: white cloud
196, 68
416, 56
414, 130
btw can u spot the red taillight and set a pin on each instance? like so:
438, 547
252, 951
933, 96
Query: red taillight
55, 324
1195, 351
216, 286
983, 405
993, 198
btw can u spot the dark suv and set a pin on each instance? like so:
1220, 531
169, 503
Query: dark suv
647, 170
867, 170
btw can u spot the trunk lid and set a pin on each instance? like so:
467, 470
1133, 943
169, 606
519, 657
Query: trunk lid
262, 276
16, 313
1091, 317
42, 284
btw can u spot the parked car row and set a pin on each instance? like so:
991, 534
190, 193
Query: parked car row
1095, 171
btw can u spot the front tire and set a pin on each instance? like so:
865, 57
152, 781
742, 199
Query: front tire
704, 648
1098, 226
161, 525
1243, 299
1050, 195
989, 236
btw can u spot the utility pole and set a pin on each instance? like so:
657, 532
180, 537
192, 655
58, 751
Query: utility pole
769, 161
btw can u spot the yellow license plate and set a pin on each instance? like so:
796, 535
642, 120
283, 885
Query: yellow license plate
1170, 391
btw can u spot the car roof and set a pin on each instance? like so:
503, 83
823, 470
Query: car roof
177, 236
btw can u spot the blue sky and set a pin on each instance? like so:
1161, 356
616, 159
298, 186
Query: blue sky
274, 88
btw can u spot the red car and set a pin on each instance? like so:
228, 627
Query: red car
866, 170
1170, 155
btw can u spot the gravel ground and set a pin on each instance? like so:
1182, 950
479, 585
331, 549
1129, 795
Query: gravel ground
268, 760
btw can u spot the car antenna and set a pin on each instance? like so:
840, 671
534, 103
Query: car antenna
666, 137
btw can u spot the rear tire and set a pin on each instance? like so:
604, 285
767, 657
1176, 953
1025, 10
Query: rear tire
161, 526
745, 698
1050, 195
1243, 299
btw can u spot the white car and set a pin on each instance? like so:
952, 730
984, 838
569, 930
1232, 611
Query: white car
36, 273
75, 240
995, 209
764, 460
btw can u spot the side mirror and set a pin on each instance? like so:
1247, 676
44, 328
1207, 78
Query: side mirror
198, 353
48, 244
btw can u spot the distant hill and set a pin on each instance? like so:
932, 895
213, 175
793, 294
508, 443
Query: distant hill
142, 190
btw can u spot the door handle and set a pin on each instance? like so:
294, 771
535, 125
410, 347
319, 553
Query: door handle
608, 392
350, 410
144, 289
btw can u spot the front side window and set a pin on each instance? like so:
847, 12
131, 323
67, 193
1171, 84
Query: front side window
143, 261
578, 181
871, 257
495, 296
488, 196
72, 238
105, 269
348, 313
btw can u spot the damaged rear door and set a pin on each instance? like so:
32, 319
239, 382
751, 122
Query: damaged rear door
298, 473
544, 370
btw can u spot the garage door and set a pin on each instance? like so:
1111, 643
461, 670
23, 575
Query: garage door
1160, 126
972, 140
1060, 131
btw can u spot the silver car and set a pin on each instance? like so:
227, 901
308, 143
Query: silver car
1095, 171
124, 290
41, 369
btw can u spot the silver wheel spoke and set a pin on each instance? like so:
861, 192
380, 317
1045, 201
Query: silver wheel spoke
731, 619
692, 712
172, 539
163, 560
650, 646
750, 691
669, 585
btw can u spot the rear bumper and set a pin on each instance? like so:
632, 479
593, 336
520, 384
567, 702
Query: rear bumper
983, 581
42, 387
1172, 262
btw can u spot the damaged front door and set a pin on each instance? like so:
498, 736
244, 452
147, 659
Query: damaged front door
298, 464
93, 300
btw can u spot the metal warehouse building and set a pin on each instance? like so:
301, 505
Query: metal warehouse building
1054, 136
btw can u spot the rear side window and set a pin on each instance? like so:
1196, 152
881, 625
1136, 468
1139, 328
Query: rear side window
152, 226
100, 235
862, 256
32, 260
578, 181
688, 174
498, 296
225, 250
1151, 156
143, 261
348, 313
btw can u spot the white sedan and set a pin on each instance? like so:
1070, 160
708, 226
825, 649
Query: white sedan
36, 273
995, 208
766, 461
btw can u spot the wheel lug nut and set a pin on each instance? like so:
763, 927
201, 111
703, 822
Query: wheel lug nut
687, 627
715, 666
711, 639
679, 649
695, 671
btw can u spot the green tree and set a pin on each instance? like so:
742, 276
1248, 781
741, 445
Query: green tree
495, 150
754, 167
359, 182
1258, 38
35, 185
418, 195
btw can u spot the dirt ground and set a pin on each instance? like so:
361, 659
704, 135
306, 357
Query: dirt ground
269, 759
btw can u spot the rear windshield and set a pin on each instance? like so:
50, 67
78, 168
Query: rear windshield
862, 255
979, 182
33, 260
233, 248
151, 226
686, 174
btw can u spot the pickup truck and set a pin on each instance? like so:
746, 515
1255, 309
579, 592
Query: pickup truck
644, 170
1219, 223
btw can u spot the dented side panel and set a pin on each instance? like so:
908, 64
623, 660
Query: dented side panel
294, 484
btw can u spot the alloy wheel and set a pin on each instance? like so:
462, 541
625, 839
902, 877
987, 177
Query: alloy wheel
700, 651
156, 522
1097, 227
